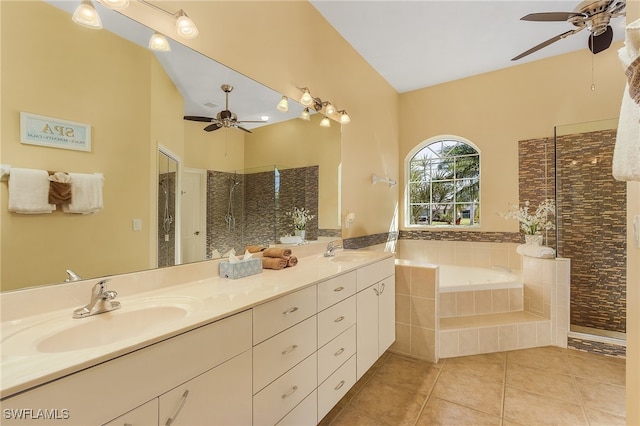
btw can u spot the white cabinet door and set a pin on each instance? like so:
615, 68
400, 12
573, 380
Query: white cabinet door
367, 328
387, 314
221, 396
144, 415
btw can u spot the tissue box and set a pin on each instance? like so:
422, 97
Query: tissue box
240, 269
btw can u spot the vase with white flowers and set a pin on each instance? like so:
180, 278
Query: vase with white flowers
300, 218
533, 224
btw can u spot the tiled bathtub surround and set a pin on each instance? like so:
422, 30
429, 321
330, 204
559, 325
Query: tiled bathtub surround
480, 302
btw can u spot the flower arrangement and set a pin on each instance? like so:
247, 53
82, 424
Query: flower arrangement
300, 217
533, 224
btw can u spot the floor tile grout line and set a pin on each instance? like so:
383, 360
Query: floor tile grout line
504, 387
424, 403
575, 383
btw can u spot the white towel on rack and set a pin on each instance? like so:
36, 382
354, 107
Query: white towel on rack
29, 191
534, 250
626, 154
86, 190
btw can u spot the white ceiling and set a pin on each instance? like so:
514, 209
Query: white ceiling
420, 43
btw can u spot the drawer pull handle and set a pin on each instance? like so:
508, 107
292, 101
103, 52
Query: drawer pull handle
339, 352
341, 384
382, 288
290, 311
291, 392
289, 349
338, 288
340, 318
376, 291
182, 402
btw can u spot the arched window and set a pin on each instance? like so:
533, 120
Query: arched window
443, 176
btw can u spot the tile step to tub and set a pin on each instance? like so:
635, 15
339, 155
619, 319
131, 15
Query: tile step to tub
489, 320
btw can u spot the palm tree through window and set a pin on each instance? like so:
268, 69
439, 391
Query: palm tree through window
444, 185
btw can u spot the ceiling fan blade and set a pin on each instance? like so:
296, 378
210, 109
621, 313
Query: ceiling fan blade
601, 42
545, 44
198, 118
243, 129
212, 127
550, 16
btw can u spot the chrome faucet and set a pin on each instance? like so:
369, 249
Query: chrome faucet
72, 276
331, 248
101, 301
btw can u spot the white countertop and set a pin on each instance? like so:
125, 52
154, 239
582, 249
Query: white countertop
205, 300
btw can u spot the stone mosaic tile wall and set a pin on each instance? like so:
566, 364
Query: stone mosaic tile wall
598, 347
167, 246
591, 220
469, 236
592, 229
259, 213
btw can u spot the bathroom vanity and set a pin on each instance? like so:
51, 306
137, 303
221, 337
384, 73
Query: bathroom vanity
281, 347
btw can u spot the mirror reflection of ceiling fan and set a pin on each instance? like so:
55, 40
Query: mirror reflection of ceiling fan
224, 118
593, 15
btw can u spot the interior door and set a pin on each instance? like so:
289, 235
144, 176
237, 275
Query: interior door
193, 224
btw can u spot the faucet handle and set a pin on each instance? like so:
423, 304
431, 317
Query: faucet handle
100, 287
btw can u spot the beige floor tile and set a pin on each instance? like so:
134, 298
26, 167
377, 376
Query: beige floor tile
603, 396
546, 358
353, 417
412, 374
606, 358
598, 369
331, 416
469, 391
543, 382
528, 408
600, 418
400, 406
485, 366
440, 412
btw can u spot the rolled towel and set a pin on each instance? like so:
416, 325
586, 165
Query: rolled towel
59, 188
274, 263
292, 261
283, 253
255, 249
29, 191
534, 250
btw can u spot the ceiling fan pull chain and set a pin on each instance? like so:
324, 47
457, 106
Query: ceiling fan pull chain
593, 84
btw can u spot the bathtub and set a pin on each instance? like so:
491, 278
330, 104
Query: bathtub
454, 278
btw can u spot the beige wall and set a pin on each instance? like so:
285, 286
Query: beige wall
221, 150
498, 109
91, 245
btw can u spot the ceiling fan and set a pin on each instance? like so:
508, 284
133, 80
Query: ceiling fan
591, 14
224, 118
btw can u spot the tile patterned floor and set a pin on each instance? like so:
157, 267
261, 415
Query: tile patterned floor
540, 386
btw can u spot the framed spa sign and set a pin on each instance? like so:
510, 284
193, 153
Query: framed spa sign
54, 132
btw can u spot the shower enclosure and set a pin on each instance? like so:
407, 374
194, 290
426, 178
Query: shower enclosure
168, 254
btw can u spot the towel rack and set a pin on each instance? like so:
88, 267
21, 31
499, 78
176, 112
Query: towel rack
375, 179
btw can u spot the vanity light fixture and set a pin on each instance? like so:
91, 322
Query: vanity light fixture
306, 98
115, 4
325, 122
329, 108
185, 27
159, 42
305, 115
87, 16
283, 105
344, 117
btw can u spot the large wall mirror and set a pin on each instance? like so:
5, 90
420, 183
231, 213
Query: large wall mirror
135, 107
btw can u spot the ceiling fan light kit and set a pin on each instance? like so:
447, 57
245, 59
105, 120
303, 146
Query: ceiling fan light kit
594, 15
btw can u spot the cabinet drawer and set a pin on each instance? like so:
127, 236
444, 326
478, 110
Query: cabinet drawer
336, 386
336, 289
276, 355
145, 415
335, 353
335, 320
272, 317
306, 413
371, 274
276, 400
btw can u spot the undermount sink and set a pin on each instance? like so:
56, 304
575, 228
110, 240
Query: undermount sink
64, 334
349, 257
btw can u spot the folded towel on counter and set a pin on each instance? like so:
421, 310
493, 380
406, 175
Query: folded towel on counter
255, 249
29, 191
87, 193
283, 253
534, 250
274, 263
59, 188
292, 261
